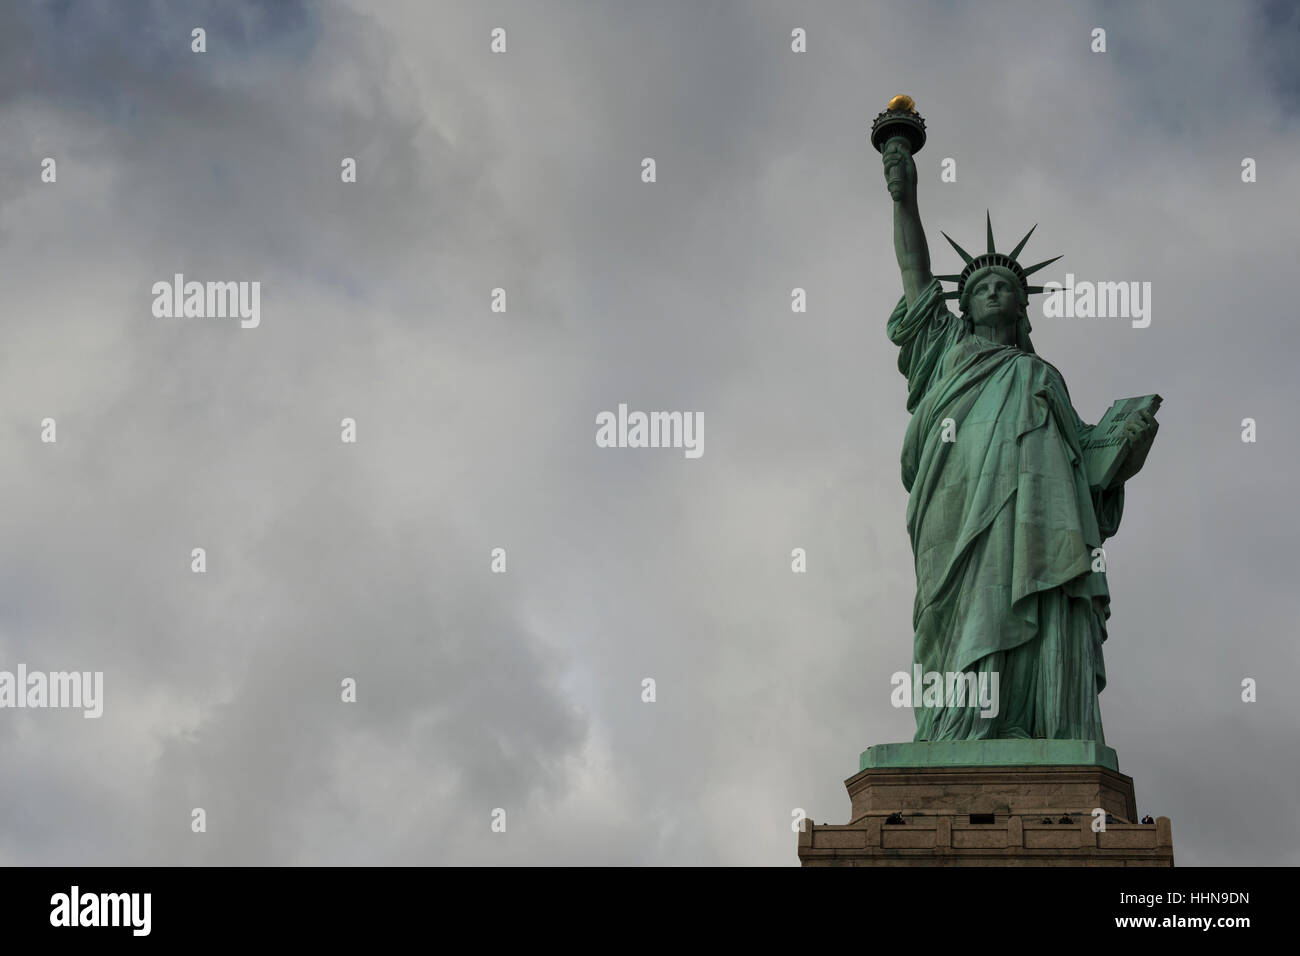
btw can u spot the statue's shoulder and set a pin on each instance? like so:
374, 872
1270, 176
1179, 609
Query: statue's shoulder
945, 318
1050, 370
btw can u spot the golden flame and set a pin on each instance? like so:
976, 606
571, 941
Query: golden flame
903, 102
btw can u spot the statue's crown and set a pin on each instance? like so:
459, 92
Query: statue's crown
992, 258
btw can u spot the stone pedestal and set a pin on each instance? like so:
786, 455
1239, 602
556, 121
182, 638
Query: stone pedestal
979, 814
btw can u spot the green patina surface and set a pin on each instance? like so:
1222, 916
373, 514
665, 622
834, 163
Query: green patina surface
1007, 528
990, 753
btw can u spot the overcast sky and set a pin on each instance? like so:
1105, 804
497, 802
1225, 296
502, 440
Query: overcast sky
522, 170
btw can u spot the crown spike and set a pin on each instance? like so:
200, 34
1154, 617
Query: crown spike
956, 278
1016, 251
960, 251
989, 221
1034, 268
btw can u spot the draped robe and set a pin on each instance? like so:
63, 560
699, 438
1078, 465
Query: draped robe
1004, 529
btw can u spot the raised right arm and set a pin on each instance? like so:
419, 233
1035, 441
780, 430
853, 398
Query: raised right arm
909, 238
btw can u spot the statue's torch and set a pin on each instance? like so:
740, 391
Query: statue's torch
900, 118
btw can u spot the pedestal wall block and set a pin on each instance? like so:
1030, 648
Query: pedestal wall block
982, 814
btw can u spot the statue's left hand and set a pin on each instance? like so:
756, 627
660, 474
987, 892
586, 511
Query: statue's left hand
1140, 432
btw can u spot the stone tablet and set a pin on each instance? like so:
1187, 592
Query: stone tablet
1105, 449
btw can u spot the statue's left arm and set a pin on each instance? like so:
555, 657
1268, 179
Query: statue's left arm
1107, 503
1140, 435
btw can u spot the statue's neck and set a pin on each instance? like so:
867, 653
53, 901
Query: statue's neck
997, 334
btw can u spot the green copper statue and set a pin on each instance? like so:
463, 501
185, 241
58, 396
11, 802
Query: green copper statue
1006, 513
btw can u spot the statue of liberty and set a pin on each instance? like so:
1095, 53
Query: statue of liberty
1005, 522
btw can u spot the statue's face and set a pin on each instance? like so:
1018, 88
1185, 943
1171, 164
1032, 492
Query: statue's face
994, 301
